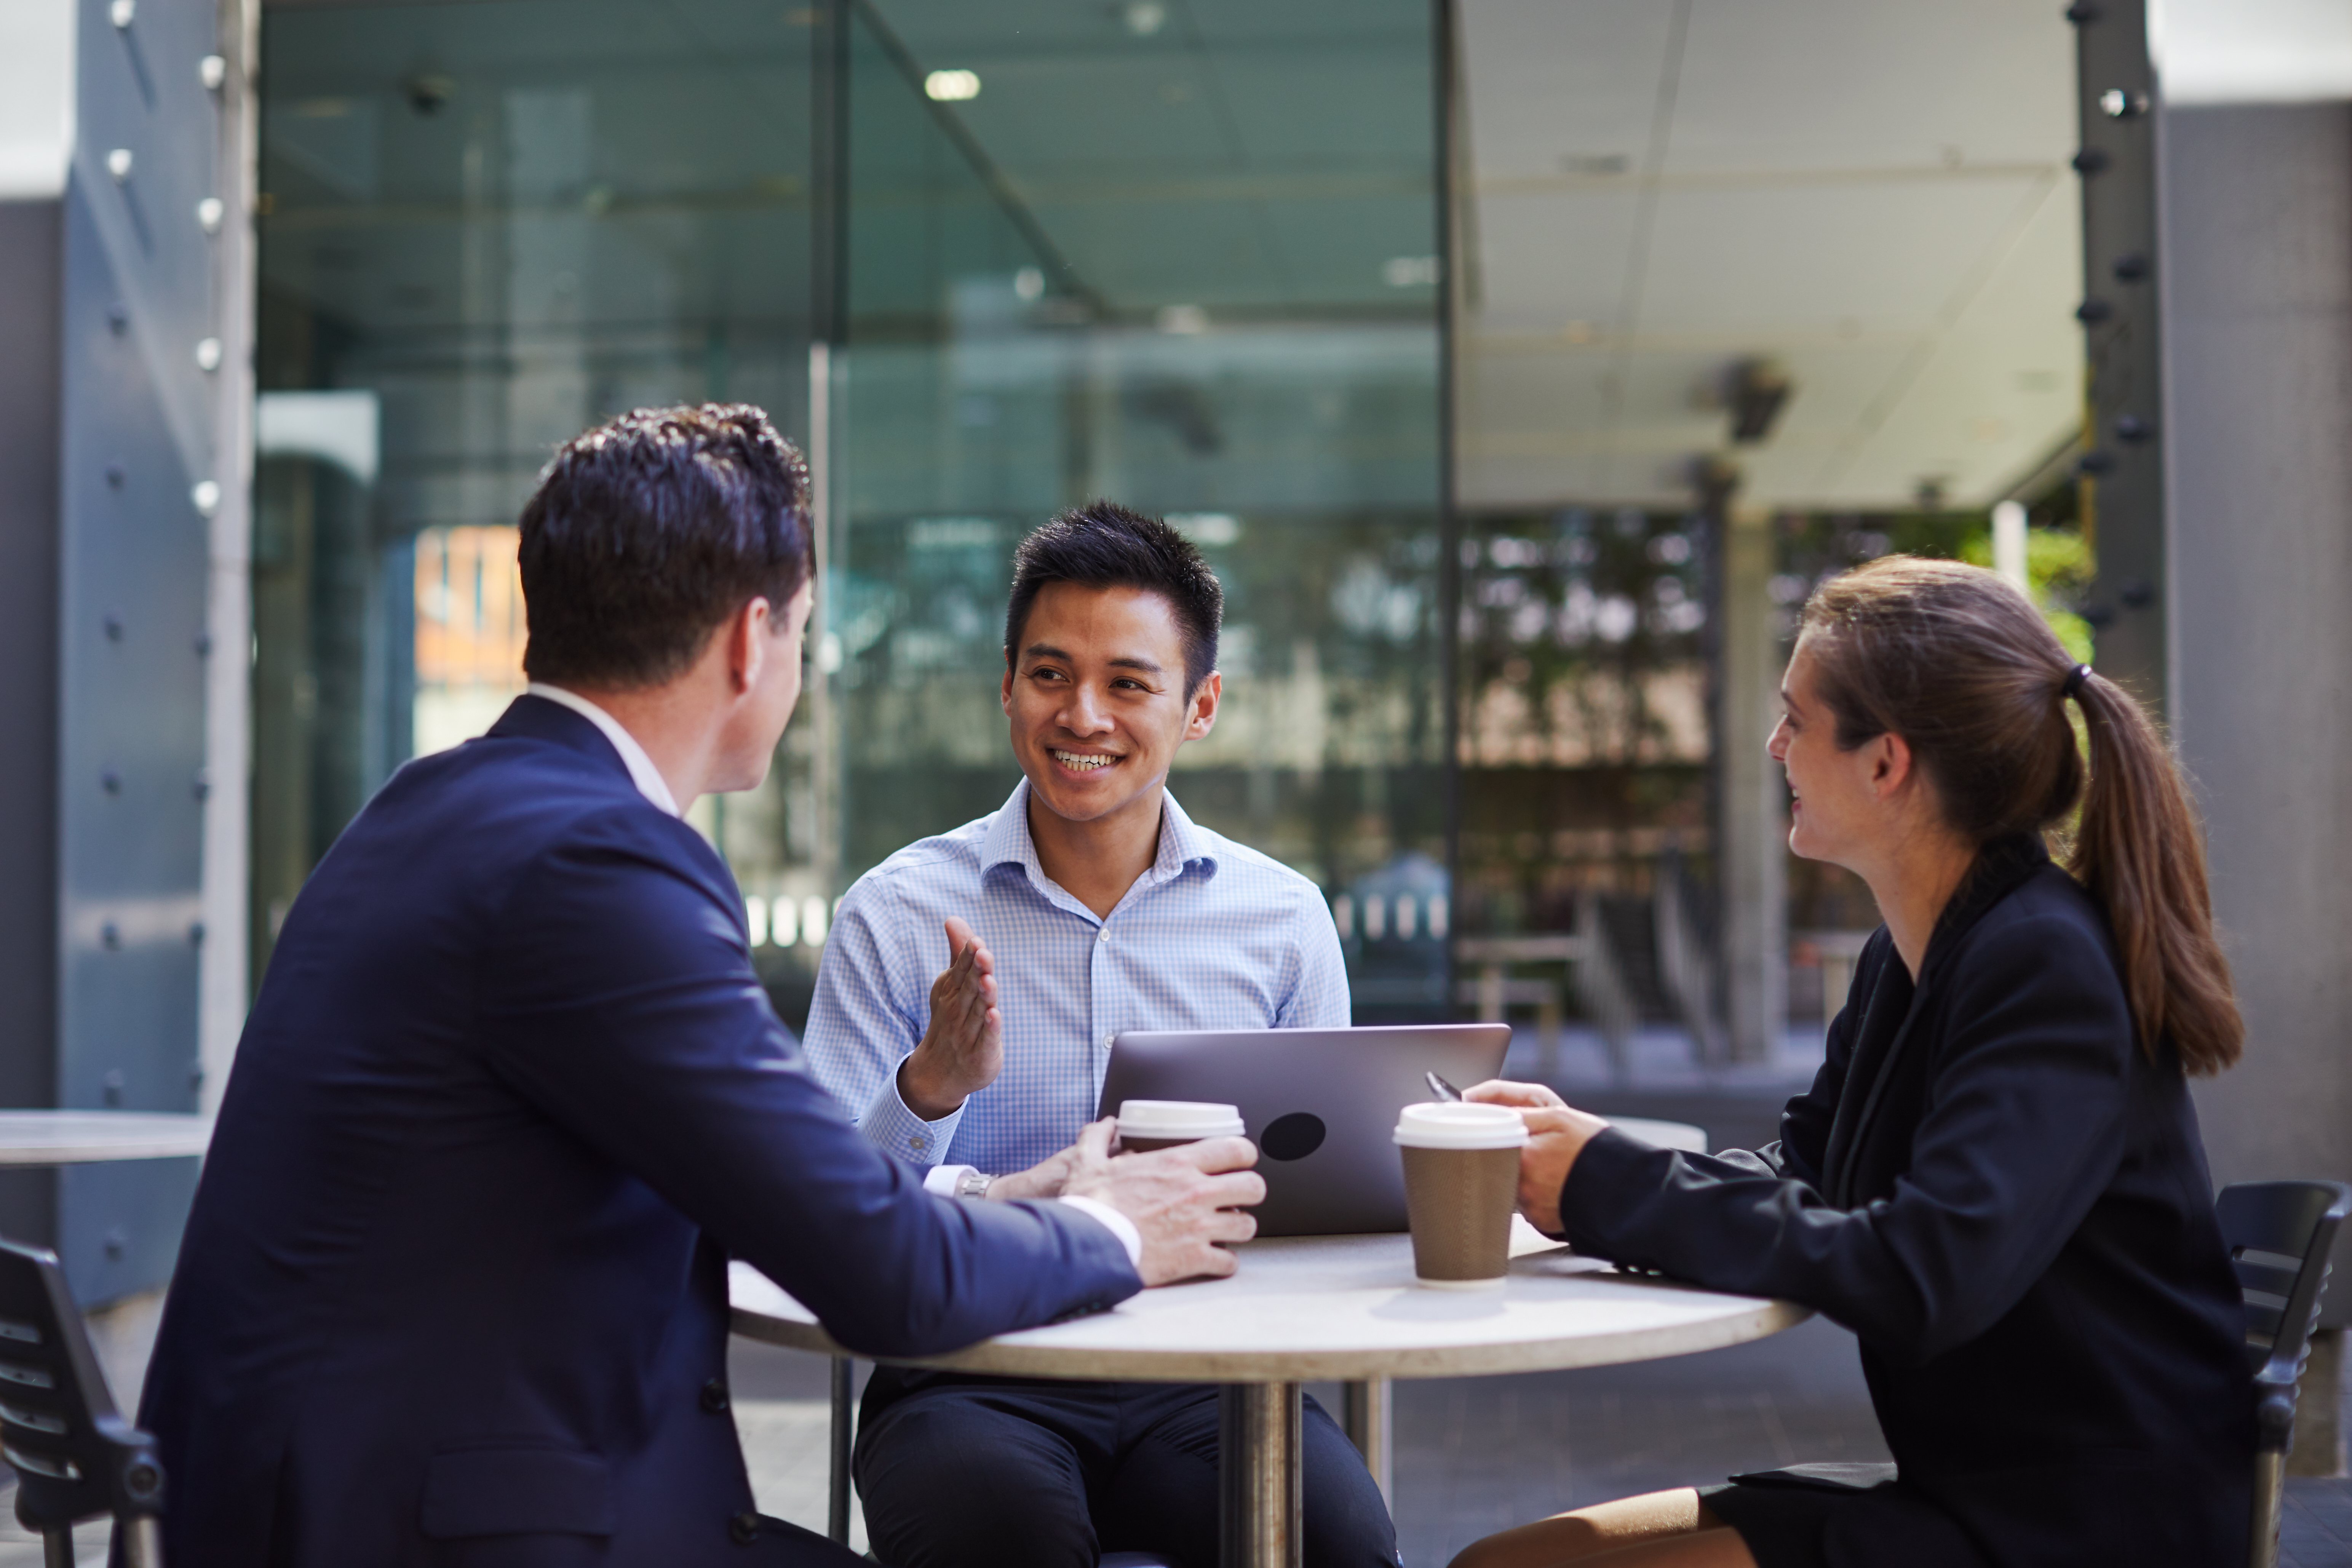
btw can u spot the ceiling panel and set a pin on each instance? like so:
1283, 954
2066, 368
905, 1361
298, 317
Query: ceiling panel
1266, 158
1835, 84
1545, 262
1873, 194
1054, 117
1549, 83
1810, 260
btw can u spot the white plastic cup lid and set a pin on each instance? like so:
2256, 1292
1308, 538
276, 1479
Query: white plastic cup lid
1178, 1119
1460, 1124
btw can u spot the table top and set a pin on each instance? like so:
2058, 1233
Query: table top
1341, 1307
78, 1137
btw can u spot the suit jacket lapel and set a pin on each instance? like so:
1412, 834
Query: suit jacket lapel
1887, 1012
2000, 865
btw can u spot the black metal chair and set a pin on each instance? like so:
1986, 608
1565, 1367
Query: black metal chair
2279, 1235
76, 1458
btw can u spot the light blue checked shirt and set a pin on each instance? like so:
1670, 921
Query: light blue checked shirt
1214, 936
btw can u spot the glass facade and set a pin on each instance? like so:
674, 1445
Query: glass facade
486, 226
1181, 258
1184, 257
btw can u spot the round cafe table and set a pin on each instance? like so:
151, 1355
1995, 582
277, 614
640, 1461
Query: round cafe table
87, 1137
1342, 1307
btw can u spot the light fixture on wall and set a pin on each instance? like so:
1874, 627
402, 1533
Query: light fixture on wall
1755, 391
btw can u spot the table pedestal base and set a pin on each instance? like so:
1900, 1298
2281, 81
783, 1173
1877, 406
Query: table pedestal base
1258, 1475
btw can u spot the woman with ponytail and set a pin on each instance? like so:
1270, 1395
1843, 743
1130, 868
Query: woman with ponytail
1996, 1180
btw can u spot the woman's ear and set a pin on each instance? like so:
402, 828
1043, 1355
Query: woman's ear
1890, 765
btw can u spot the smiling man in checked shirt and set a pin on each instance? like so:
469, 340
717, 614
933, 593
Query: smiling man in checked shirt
1108, 908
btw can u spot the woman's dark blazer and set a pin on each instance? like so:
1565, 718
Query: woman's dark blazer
1995, 1189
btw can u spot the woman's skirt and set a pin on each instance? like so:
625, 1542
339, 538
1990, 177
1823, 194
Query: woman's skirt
1838, 1516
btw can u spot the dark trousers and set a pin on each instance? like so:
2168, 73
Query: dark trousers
971, 1472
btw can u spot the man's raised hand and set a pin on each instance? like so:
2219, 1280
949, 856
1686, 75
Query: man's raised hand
963, 1049
1184, 1200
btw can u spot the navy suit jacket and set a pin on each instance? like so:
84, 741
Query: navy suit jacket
454, 1288
1993, 1185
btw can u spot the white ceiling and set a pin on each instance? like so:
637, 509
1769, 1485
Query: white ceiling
1873, 193
2252, 51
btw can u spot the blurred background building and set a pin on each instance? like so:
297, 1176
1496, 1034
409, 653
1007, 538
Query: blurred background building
1520, 365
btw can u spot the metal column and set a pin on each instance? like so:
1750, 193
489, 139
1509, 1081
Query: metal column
1258, 1475
2122, 469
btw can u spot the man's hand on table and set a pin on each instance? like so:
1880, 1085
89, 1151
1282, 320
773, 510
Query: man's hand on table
1046, 1179
1184, 1200
963, 1049
1557, 1134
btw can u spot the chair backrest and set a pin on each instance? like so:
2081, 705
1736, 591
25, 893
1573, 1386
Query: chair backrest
2279, 1235
74, 1454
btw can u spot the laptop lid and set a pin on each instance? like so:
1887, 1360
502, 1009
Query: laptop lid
1320, 1104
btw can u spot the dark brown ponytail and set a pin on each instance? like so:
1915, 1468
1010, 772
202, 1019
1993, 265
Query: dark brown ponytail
2140, 849
1962, 667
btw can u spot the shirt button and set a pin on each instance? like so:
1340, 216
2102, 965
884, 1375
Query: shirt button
714, 1396
744, 1527
1103, 934
1107, 1039
918, 1143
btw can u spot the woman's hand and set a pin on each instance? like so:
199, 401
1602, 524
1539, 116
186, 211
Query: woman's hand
1557, 1134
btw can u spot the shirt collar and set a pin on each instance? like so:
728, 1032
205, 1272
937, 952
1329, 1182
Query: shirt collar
642, 772
1008, 842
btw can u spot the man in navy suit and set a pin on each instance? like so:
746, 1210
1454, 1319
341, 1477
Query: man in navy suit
454, 1288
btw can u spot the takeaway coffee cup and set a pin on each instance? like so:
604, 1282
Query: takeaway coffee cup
1148, 1124
1461, 1185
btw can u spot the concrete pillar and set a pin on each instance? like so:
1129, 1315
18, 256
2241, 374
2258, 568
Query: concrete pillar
2256, 272
1752, 846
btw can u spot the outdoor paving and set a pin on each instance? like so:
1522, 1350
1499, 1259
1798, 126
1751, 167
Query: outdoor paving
1476, 1455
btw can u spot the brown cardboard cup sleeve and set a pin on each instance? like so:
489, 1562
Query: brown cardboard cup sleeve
1461, 1185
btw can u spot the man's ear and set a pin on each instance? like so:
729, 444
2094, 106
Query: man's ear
746, 643
1205, 698
1005, 692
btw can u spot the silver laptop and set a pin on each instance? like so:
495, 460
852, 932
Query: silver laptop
1320, 1104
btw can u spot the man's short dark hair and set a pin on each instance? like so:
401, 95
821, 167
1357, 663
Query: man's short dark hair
648, 532
1104, 545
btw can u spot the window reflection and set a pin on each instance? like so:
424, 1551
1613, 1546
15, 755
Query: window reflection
469, 633
483, 229
1165, 269
1192, 266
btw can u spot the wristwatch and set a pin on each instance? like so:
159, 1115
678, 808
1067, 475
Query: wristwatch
972, 1184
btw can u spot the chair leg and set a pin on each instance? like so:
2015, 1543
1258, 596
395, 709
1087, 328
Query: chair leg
56, 1547
836, 1507
143, 1540
2270, 1505
1366, 1417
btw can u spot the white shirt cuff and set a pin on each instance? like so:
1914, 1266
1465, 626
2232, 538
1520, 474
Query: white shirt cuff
941, 1181
889, 1124
1118, 1224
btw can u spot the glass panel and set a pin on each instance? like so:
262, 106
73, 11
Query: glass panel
487, 227
1184, 257
1181, 256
